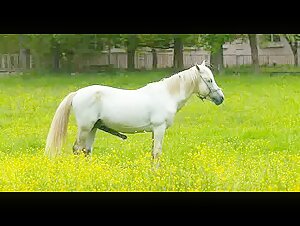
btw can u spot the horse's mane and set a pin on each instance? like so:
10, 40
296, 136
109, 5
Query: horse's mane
187, 78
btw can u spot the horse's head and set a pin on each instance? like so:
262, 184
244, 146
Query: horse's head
208, 88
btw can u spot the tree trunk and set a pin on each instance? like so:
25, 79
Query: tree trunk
178, 54
294, 47
70, 61
131, 48
24, 55
154, 61
296, 58
55, 55
109, 53
130, 60
216, 60
25, 59
254, 52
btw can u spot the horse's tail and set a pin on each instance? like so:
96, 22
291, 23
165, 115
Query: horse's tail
58, 129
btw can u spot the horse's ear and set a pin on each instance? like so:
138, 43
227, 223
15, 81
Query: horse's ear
203, 63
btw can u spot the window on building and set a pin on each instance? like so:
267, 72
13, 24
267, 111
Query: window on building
272, 38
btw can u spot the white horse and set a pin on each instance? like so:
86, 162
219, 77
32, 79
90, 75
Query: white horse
148, 109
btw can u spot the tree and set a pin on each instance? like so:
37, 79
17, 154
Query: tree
254, 52
179, 41
56, 51
45, 48
110, 40
161, 41
155, 41
178, 53
134, 41
53, 51
131, 42
9, 43
214, 43
24, 55
293, 40
60, 49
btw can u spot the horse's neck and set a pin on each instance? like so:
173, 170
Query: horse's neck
181, 86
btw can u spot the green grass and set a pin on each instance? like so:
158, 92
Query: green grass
249, 143
264, 69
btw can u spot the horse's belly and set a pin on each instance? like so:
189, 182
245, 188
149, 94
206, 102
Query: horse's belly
132, 112
127, 126
127, 120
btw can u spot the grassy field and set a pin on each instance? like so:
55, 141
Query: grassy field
249, 143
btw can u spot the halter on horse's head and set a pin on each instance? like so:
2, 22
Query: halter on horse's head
208, 88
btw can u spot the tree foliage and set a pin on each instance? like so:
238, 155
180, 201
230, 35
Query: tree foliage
9, 43
213, 42
159, 41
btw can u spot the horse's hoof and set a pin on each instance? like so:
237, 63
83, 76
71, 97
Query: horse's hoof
155, 167
155, 164
76, 152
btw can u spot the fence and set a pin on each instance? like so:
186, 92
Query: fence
236, 60
11, 62
144, 60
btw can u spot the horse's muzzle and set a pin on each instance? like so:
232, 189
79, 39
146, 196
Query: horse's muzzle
219, 100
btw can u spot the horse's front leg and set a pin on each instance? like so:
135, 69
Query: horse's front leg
157, 139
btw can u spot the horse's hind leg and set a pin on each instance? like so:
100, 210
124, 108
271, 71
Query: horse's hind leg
86, 106
84, 141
